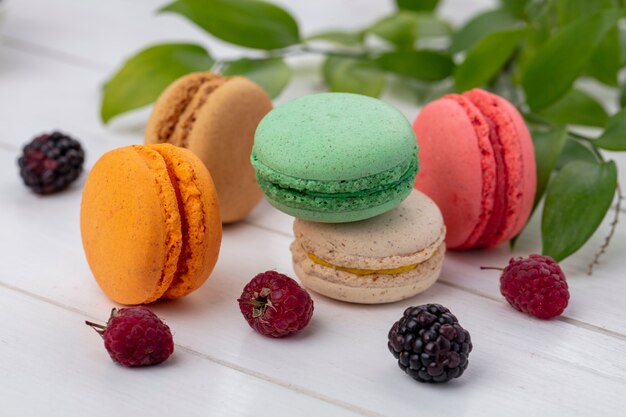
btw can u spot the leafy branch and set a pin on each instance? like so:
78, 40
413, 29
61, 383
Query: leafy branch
533, 52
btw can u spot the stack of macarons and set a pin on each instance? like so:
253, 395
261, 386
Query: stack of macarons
344, 165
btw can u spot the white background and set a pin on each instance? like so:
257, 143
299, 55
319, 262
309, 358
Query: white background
54, 57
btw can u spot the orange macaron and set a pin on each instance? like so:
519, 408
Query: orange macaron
150, 223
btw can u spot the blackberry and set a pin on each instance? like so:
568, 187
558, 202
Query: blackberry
51, 162
429, 343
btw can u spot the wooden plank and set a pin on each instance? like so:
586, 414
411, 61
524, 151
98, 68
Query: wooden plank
54, 365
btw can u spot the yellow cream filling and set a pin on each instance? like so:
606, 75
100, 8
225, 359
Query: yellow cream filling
357, 271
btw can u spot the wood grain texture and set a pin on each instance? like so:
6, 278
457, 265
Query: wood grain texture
67, 372
343, 354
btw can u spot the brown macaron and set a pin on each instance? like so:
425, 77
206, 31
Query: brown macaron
215, 117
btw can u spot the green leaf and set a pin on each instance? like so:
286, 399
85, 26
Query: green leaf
250, 23
622, 97
399, 28
481, 26
405, 27
417, 5
350, 75
575, 150
569, 10
271, 74
424, 64
557, 64
605, 61
539, 30
516, 8
431, 26
622, 43
143, 77
576, 202
486, 58
338, 37
614, 136
548, 146
425, 92
577, 107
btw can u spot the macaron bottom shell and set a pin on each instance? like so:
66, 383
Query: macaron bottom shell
382, 259
366, 289
344, 216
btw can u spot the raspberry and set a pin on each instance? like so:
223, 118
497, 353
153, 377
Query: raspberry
135, 336
275, 305
535, 285
429, 344
51, 162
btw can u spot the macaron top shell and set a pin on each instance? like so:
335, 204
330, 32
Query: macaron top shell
112, 228
408, 234
334, 136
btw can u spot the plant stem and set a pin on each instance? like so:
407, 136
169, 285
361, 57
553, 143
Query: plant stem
608, 238
492, 267
589, 141
96, 325
536, 119
596, 152
332, 52
299, 49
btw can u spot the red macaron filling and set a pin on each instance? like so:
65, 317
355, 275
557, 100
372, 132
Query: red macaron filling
493, 217
510, 168
498, 212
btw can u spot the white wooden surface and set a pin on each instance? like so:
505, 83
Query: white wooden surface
53, 59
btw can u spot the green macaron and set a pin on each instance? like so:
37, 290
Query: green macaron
335, 157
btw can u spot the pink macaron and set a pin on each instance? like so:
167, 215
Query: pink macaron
477, 162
